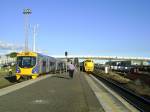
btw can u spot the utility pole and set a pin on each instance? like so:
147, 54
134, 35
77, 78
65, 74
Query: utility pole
34, 36
26, 12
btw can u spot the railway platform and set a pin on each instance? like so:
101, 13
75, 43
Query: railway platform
53, 93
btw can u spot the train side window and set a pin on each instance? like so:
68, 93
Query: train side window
51, 63
44, 63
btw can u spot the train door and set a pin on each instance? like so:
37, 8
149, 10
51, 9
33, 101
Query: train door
47, 65
40, 64
44, 66
50, 66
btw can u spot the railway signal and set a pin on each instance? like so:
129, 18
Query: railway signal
66, 54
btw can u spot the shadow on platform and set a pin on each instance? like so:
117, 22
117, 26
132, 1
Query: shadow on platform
63, 77
11, 79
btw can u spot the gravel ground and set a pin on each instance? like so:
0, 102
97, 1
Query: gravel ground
134, 83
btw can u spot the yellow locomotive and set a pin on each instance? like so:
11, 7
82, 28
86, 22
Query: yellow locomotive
32, 64
87, 65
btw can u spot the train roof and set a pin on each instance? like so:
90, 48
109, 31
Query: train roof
30, 53
27, 54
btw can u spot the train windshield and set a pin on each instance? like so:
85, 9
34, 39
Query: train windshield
88, 61
26, 61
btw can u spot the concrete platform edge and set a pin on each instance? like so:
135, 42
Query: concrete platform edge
129, 106
15, 87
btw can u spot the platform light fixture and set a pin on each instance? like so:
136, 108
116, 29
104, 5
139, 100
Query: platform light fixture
26, 12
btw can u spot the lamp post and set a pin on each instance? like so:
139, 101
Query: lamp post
26, 12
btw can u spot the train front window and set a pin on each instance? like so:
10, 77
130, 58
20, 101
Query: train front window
26, 61
88, 61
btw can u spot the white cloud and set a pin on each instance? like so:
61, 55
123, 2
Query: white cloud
9, 46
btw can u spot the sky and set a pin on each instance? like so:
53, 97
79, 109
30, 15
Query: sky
81, 27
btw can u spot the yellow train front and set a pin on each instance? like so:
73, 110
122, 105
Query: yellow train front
88, 65
32, 64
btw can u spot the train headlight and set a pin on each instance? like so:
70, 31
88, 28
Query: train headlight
35, 70
18, 70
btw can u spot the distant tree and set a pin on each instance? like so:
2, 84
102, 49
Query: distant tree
12, 55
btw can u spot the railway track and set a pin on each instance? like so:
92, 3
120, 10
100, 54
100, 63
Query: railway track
137, 101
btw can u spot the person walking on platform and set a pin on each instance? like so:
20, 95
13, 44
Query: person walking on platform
71, 69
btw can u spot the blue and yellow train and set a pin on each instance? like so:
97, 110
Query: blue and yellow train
32, 64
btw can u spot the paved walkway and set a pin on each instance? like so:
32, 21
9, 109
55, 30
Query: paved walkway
57, 93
